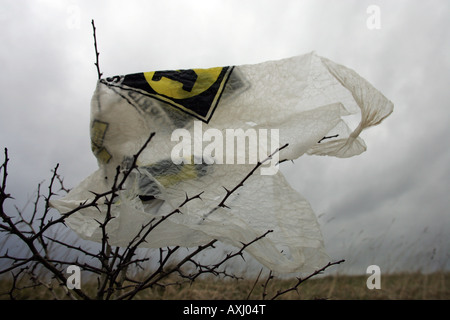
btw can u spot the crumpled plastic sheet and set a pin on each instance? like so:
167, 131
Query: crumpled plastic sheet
306, 98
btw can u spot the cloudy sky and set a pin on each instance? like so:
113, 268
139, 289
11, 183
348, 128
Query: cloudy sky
388, 206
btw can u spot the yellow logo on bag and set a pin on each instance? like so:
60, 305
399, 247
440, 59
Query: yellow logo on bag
182, 84
98, 132
194, 91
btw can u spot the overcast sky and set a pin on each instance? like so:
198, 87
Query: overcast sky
388, 206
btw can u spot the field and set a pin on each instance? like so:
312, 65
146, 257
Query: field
405, 286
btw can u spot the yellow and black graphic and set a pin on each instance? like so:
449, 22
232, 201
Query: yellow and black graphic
167, 174
98, 132
194, 91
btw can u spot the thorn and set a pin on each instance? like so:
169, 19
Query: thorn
94, 193
198, 196
223, 205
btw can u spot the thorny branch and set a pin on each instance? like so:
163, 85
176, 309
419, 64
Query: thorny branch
35, 240
241, 184
299, 280
109, 265
113, 264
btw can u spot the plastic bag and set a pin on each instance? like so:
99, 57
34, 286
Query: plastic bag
212, 126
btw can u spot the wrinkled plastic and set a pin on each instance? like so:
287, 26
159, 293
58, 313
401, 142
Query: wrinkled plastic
306, 98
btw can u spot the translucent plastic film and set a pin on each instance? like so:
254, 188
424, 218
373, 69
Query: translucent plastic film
212, 128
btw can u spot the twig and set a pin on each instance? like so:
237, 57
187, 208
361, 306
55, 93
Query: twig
300, 280
96, 52
254, 284
4, 166
329, 137
241, 251
270, 277
241, 184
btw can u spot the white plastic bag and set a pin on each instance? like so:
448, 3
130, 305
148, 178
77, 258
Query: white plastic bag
196, 114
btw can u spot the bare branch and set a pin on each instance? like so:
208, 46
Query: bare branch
110, 265
96, 51
241, 184
300, 280
269, 278
254, 284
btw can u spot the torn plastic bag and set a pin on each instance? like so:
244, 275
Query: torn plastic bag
212, 127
